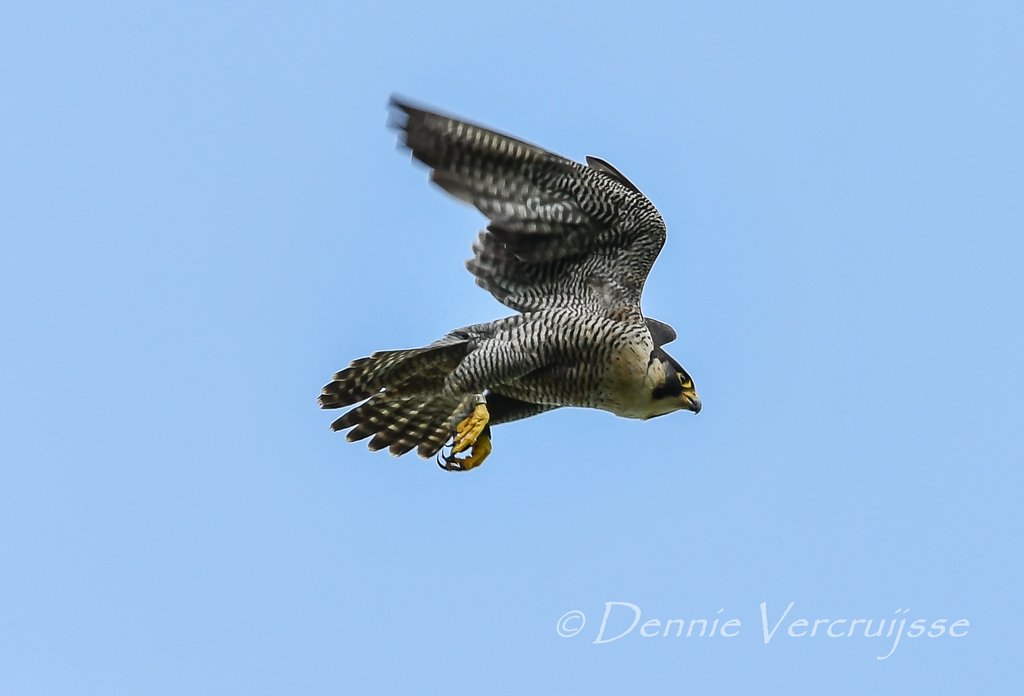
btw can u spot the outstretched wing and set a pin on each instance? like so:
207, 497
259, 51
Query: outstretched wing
561, 234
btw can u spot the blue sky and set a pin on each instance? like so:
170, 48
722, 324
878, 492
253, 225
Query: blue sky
204, 216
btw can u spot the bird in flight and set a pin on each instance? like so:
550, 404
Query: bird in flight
568, 246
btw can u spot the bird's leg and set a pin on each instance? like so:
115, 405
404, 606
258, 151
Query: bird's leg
493, 361
469, 429
473, 431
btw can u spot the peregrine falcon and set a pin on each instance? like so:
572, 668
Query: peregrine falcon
568, 246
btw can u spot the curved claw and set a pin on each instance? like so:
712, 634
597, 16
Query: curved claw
442, 459
481, 448
449, 462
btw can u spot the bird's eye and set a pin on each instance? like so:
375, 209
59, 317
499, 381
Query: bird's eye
684, 379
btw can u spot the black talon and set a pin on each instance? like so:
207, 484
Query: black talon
444, 460
448, 462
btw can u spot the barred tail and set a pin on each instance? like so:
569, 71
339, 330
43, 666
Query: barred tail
400, 423
404, 410
409, 370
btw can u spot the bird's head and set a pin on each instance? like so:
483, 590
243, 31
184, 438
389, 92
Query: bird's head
672, 388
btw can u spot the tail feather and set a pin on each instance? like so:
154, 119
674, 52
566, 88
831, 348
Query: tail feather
410, 370
401, 423
401, 389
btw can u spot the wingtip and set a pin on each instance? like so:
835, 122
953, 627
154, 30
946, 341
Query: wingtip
396, 101
402, 108
398, 114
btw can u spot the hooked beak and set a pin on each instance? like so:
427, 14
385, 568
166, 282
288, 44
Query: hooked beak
692, 402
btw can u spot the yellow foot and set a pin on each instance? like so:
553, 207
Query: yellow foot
467, 432
471, 432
